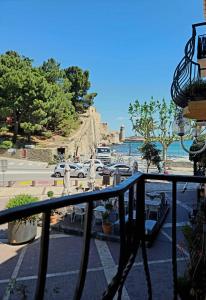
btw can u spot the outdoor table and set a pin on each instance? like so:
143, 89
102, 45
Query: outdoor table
100, 208
153, 195
81, 205
152, 206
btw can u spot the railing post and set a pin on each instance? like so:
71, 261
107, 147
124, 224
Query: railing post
85, 252
174, 238
43, 259
144, 251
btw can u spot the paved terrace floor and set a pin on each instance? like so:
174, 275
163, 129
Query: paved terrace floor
19, 263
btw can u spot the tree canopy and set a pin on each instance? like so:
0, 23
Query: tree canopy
153, 120
80, 85
44, 98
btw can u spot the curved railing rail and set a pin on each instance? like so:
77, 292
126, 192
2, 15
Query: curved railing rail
132, 232
186, 72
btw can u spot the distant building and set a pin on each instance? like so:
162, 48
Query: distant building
122, 133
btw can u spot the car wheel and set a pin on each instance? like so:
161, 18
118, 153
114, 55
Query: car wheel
99, 169
57, 174
80, 175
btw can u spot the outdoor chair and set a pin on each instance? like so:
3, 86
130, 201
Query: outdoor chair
97, 217
78, 212
70, 212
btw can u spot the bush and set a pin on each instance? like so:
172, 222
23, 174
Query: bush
50, 194
47, 134
4, 129
6, 144
19, 200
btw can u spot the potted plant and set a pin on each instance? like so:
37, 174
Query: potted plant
22, 230
54, 216
106, 224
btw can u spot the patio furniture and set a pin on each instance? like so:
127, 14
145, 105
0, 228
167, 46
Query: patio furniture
79, 210
98, 211
70, 212
152, 206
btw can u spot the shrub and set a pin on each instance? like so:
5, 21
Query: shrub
4, 129
50, 194
6, 144
47, 134
108, 206
19, 200
105, 217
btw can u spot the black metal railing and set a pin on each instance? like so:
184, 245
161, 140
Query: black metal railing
186, 72
132, 232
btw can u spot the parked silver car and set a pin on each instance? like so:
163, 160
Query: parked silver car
75, 170
86, 164
123, 169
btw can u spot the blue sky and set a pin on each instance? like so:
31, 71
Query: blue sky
131, 48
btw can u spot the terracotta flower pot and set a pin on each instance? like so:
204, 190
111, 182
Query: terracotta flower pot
53, 219
107, 228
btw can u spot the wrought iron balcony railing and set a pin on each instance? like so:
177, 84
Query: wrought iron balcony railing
188, 71
132, 231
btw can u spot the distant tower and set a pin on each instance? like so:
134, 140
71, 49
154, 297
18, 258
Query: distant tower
122, 133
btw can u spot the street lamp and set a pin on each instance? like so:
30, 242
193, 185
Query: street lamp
182, 127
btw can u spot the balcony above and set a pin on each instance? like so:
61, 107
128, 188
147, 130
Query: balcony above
188, 88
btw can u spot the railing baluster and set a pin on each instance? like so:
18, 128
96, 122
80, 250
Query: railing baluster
144, 251
85, 252
43, 259
174, 238
116, 280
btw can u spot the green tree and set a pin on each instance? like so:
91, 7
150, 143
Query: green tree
61, 115
20, 87
153, 121
80, 85
151, 154
52, 71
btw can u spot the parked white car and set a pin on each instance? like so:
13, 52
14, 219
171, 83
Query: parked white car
97, 162
75, 170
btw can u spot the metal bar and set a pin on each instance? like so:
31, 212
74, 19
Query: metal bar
116, 280
43, 259
85, 252
131, 204
199, 24
122, 233
135, 236
174, 238
46, 205
144, 251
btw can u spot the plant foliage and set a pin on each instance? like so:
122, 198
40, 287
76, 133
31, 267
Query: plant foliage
153, 120
41, 99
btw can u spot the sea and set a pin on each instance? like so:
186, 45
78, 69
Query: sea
132, 149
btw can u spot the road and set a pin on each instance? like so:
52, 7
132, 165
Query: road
18, 170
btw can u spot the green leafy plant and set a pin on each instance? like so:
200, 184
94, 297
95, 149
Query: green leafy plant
196, 89
151, 154
105, 217
20, 200
109, 206
153, 120
6, 144
50, 194
47, 134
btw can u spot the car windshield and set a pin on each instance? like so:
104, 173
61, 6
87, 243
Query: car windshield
110, 165
103, 150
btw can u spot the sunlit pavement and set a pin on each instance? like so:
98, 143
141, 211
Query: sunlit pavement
19, 264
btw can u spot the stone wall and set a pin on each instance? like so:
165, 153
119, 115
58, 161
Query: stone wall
82, 143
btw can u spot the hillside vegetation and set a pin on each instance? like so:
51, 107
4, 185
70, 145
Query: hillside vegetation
40, 101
